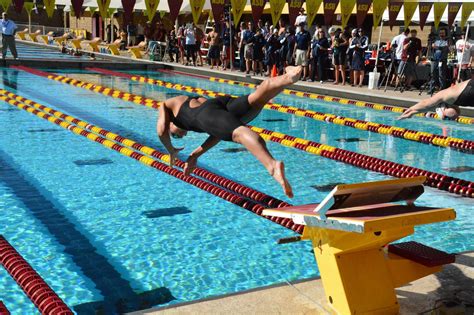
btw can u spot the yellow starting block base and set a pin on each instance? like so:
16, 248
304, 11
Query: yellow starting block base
350, 230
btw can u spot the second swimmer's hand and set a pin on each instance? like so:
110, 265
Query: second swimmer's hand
190, 165
408, 114
174, 155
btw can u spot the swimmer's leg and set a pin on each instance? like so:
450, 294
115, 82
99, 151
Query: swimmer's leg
270, 88
257, 146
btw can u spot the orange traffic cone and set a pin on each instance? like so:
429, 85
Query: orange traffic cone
274, 71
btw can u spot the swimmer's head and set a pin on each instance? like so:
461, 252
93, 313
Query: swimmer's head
451, 112
177, 132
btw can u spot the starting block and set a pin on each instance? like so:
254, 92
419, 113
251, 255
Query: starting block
350, 232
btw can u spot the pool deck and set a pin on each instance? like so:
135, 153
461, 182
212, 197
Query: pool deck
389, 97
449, 292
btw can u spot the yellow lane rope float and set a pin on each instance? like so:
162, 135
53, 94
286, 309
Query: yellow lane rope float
251, 200
440, 181
398, 132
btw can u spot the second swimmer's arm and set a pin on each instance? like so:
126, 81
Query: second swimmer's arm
163, 128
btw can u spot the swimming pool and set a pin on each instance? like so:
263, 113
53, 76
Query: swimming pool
107, 232
26, 51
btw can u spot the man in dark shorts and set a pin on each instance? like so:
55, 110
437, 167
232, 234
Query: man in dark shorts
447, 101
410, 53
224, 118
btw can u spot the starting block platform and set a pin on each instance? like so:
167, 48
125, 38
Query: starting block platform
351, 231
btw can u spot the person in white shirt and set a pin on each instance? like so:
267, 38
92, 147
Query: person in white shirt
465, 57
190, 44
300, 19
397, 44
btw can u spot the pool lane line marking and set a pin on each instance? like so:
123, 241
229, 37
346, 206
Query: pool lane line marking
238, 188
465, 146
376, 106
146, 160
440, 181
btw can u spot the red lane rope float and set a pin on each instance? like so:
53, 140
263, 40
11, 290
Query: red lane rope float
398, 132
435, 180
3, 309
37, 290
238, 188
195, 181
381, 107
440, 181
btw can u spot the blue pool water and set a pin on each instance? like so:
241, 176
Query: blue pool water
109, 233
26, 51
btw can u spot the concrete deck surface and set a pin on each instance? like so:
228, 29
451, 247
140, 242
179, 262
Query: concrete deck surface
447, 293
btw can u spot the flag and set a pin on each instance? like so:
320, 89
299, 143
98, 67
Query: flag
276, 6
294, 7
329, 9
409, 9
257, 9
467, 8
378, 7
453, 9
175, 6
346, 10
438, 8
394, 7
238, 7
312, 7
217, 7
196, 9
128, 6
424, 9
363, 7
104, 8
77, 7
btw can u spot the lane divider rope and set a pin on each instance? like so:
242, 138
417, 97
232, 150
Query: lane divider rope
35, 288
376, 106
3, 309
146, 160
398, 132
437, 180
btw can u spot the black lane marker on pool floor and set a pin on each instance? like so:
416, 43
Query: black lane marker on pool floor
350, 140
274, 120
165, 212
459, 169
234, 150
93, 162
119, 296
325, 188
45, 130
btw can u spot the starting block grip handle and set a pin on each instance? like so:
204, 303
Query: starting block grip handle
287, 240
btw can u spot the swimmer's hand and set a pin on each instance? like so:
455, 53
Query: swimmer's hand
408, 114
174, 155
190, 165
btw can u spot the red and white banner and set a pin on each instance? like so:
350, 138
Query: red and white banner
294, 7
257, 9
394, 7
424, 9
362, 7
329, 9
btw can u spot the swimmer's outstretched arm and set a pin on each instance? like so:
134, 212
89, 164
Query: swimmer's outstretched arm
163, 130
191, 162
448, 96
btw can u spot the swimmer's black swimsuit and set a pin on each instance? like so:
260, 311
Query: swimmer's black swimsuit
218, 117
466, 98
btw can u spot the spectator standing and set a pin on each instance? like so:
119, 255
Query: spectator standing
181, 43
248, 50
439, 62
227, 54
213, 39
190, 42
8, 36
272, 47
262, 28
359, 44
243, 29
258, 44
199, 40
302, 50
131, 34
301, 18
397, 45
465, 57
140, 33
340, 45
173, 46
350, 53
281, 27
411, 52
320, 47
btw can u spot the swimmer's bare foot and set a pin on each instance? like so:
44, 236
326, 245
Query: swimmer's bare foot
279, 176
294, 73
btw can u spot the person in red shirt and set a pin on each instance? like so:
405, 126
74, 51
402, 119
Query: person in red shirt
411, 52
